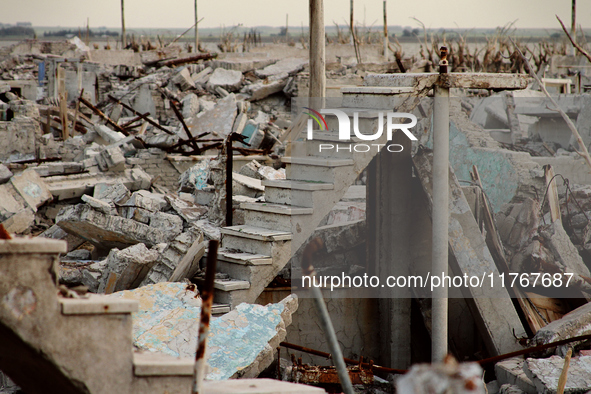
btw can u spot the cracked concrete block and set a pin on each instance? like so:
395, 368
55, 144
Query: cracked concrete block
187, 210
226, 79
219, 119
565, 253
183, 80
545, 372
5, 174
510, 371
167, 223
111, 159
18, 140
508, 389
195, 178
240, 122
107, 231
190, 105
144, 101
32, 188
111, 193
241, 343
125, 269
144, 199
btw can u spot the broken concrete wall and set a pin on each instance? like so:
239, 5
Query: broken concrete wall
506, 175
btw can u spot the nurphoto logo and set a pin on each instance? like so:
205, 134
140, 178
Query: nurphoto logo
345, 130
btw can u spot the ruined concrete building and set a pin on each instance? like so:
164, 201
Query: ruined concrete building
120, 170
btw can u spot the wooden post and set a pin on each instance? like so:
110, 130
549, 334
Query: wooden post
573, 25
196, 29
351, 24
385, 31
317, 55
123, 38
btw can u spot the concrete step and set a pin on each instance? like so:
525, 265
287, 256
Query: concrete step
159, 364
243, 258
225, 284
374, 96
161, 373
313, 169
220, 308
274, 216
298, 193
96, 304
252, 239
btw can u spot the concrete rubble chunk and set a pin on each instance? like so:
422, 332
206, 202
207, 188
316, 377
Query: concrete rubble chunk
256, 170
107, 231
5, 174
144, 199
241, 343
195, 178
161, 141
167, 223
75, 185
566, 254
545, 372
188, 211
183, 80
107, 134
125, 269
171, 256
218, 120
202, 76
111, 159
18, 140
111, 193
99, 205
510, 372
574, 323
32, 188
56, 232
229, 80
190, 105
282, 68
450, 377
509, 389
261, 90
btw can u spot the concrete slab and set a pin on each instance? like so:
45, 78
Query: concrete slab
96, 305
257, 386
545, 372
218, 120
511, 372
32, 188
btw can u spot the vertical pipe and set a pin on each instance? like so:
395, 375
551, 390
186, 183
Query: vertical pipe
440, 211
196, 30
385, 31
123, 38
207, 302
573, 24
317, 54
229, 169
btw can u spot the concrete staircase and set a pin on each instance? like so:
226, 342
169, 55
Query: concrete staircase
253, 254
55, 344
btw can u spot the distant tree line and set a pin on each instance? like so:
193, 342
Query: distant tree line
64, 33
16, 31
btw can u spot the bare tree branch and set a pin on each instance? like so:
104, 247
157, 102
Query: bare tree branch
572, 40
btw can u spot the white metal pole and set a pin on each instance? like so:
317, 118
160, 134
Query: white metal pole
440, 213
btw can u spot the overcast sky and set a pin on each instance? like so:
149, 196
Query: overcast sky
180, 13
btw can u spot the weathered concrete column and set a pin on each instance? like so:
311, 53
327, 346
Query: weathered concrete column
123, 38
317, 50
196, 29
439, 263
389, 200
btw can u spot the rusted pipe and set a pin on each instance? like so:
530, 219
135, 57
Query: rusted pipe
307, 269
207, 301
347, 360
229, 180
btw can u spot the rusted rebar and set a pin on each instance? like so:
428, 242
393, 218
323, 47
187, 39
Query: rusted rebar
102, 115
207, 301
